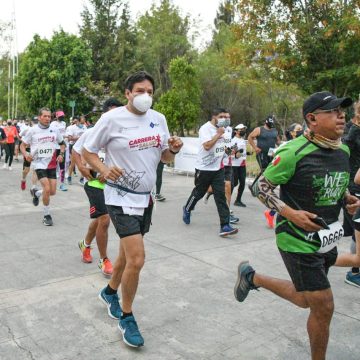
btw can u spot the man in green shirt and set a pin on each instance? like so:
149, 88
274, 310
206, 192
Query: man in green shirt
313, 174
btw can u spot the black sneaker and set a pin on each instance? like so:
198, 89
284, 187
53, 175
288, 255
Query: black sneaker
244, 281
160, 197
239, 203
35, 199
47, 220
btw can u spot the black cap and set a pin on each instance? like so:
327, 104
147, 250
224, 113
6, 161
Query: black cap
110, 103
270, 119
324, 100
35, 119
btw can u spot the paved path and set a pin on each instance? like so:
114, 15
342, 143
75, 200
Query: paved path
185, 306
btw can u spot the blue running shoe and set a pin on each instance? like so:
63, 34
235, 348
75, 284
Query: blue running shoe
112, 303
130, 332
244, 281
63, 187
186, 216
227, 230
353, 279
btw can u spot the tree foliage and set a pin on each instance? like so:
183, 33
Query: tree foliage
162, 36
181, 104
314, 44
52, 72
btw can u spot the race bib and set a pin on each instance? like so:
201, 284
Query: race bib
219, 151
330, 238
46, 150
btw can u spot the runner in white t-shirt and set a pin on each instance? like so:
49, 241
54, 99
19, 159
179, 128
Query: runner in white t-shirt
42, 140
210, 170
94, 189
73, 133
135, 138
60, 125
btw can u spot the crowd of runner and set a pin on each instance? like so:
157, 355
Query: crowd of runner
121, 158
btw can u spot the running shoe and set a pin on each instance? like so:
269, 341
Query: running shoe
69, 180
269, 219
227, 230
105, 266
244, 281
186, 216
10, 168
206, 197
112, 303
62, 187
81, 181
35, 199
239, 203
233, 219
47, 220
159, 197
23, 185
5, 166
130, 332
353, 279
85, 251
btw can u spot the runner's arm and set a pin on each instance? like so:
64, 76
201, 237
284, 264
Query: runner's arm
251, 139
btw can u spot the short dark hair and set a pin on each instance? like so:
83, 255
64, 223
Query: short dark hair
41, 110
137, 77
218, 110
110, 103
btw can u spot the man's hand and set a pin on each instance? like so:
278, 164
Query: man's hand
175, 144
220, 131
302, 219
112, 173
28, 157
60, 159
352, 203
86, 172
257, 150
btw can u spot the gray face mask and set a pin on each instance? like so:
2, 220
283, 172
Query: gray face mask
223, 122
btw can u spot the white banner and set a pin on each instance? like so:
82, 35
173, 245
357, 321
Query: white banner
186, 159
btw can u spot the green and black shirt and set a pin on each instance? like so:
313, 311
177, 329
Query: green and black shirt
313, 179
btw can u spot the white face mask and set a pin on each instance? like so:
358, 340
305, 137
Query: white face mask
223, 122
142, 102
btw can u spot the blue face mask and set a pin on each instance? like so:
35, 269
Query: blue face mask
80, 126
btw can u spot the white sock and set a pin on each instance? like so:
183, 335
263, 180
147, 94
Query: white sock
38, 193
46, 210
86, 245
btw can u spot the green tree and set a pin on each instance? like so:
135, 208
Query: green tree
162, 36
181, 104
314, 44
99, 30
52, 72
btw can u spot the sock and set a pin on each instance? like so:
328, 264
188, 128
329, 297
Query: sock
46, 210
86, 245
272, 212
38, 193
110, 291
355, 270
124, 315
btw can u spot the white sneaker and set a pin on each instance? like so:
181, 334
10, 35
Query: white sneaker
4, 166
10, 168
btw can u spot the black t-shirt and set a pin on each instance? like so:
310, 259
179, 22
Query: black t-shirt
352, 140
2, 134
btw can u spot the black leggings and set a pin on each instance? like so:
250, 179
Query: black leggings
9, 150
159, 173
239, 177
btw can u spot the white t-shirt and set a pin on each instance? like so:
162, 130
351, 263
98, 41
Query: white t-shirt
75, 131
133, 143
42, 144
210, 160
61, 127
241, 144
24, 130
227, 160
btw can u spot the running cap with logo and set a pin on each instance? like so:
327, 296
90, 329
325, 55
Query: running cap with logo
240, 126
324, 100
59, 113
270, 120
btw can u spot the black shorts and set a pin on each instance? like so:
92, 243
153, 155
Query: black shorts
26, 163
228, 173
46, 173
96, 200
308, 272
127, 225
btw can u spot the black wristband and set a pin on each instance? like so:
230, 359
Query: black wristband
174, 152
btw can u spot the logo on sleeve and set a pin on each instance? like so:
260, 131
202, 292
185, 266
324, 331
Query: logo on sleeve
276, 160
